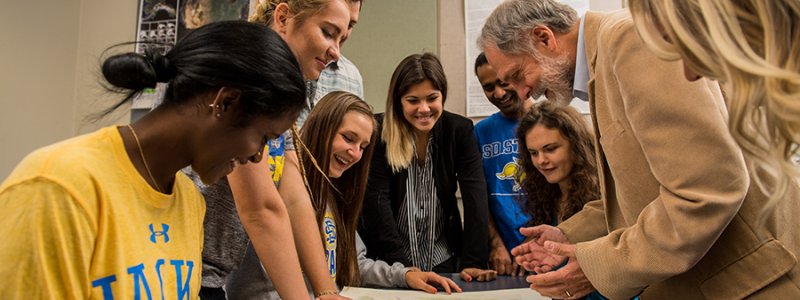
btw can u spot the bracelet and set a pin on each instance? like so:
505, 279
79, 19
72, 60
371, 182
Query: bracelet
326, 292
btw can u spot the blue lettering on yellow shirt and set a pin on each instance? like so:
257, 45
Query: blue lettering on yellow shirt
140, 282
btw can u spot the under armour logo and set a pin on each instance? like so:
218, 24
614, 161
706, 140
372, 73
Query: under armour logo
163, 233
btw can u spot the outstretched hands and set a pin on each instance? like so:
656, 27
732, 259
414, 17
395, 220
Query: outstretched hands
531, 254
549, 253
568, 282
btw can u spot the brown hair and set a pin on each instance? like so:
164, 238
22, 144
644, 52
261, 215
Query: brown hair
397, 132
542, 196
345, 194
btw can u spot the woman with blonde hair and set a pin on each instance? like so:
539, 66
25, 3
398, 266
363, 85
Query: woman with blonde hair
753, 48
262, 206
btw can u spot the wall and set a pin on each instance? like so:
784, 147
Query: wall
50, 60
103, 23
51, 53
387, 32
38, 58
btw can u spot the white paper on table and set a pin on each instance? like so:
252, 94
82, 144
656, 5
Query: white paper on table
375, 294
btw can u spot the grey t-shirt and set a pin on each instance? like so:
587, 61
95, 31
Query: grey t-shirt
225, 240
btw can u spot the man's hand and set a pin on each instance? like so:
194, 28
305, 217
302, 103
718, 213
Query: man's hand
468, 274
568, 282
425, 281
531, 254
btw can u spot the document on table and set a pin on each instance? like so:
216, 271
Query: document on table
375, 294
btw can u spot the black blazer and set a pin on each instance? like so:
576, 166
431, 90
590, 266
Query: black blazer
456, 159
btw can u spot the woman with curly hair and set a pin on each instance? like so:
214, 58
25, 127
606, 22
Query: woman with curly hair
559, 173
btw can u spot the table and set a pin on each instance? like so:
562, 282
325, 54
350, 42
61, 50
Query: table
501, 283
504, 287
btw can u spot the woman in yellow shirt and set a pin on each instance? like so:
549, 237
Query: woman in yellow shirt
107, 215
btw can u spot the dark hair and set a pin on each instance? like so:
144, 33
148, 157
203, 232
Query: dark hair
347, 193
479, 61
542, 201
415, 69
238, 54
397, 132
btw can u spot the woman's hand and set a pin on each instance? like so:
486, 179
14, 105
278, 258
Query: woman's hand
468, 274
425, 281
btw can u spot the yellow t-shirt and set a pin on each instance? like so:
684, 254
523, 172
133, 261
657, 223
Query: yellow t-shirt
79, 222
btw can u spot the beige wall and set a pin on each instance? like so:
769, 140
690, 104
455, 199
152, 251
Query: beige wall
49, 58
103, 23
387, 32
37, 75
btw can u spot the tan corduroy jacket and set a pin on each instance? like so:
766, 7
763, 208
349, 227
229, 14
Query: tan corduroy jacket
677, 218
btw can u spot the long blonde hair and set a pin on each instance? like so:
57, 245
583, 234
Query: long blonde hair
754, 47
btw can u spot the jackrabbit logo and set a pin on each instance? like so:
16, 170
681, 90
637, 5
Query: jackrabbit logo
510, 172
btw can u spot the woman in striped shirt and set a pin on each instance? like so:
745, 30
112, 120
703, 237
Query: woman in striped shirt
424, 154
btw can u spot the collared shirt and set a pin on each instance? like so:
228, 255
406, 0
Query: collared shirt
421, 217
580, 85
340, 75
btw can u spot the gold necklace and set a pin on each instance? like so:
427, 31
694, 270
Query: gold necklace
141, 153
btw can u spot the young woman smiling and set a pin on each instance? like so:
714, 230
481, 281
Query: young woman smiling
557, 160
423, 154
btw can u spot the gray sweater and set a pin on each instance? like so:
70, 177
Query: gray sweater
250, 281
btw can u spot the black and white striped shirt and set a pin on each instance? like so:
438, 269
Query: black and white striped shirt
421, 218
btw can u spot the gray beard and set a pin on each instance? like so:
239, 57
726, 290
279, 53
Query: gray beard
557, 77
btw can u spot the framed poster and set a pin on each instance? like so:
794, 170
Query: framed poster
162, 22
156, 30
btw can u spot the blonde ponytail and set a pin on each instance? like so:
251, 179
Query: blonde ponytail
263, 11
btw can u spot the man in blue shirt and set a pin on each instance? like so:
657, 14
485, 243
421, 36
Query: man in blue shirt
498, 145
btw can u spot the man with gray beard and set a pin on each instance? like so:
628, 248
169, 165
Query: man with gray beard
675, 218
